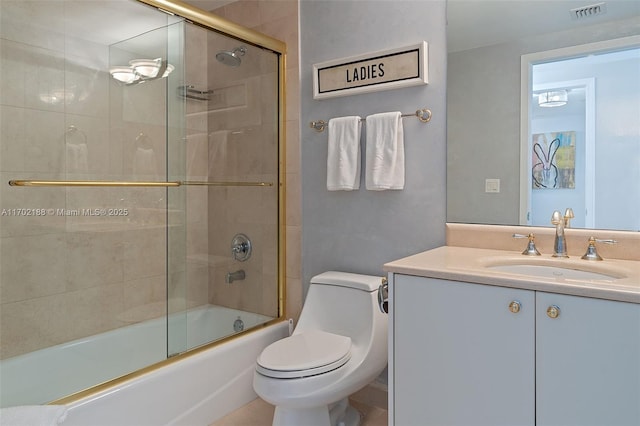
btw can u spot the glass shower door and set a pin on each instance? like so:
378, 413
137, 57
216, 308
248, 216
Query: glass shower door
231, 168
83, 230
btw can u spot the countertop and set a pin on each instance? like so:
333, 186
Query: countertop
470, 265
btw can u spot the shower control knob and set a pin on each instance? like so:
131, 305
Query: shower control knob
515, 306
241, 247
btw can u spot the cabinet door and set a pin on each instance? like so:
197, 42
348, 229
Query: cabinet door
587, 362
460, 356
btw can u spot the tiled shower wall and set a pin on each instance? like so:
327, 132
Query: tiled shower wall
279, 19
244, 147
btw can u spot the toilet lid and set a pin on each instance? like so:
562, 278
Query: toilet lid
304, 354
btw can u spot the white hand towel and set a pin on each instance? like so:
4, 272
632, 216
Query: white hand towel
385, 152
33, 415
343, 156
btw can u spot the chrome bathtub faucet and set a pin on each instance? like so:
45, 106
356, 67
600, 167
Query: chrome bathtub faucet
233, 276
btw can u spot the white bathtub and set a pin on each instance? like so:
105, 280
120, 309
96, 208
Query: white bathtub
195, 390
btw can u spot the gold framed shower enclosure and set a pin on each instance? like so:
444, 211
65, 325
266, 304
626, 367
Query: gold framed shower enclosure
166, 193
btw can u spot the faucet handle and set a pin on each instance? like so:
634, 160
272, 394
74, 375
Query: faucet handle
531, 249
592, 253
568, 215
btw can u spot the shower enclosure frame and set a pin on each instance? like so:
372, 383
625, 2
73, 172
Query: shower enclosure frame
218, 24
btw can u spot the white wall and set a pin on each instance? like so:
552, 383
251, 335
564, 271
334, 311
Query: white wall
359, 231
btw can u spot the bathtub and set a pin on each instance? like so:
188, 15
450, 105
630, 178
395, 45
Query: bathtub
196, 389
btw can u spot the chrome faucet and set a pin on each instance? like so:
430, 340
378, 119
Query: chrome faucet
560, 243
233, 276
531, 249
592, 253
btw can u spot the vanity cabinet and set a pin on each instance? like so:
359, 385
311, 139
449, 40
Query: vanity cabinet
474, 354
587, 361
459, 355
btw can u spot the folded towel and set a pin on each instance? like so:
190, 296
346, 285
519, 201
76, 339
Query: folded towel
343, 157
385, 152
33, 415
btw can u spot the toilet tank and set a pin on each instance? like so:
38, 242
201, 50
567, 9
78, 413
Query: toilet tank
343, 303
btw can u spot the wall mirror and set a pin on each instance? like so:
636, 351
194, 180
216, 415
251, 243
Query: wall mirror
496, 45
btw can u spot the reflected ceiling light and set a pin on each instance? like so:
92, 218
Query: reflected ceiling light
168, 71
553, 98
146, 68
141, 70
123, 74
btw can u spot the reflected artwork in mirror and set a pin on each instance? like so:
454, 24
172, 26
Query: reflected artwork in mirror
500, 72
580, 135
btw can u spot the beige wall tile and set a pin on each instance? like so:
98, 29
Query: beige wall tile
45, 26
93, 259
245, 12
144, 253
144, 299
32, 267
13, 72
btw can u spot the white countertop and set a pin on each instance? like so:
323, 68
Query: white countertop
471, 265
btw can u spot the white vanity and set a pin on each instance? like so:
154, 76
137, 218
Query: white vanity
492, 337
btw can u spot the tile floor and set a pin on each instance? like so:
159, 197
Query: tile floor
260, 413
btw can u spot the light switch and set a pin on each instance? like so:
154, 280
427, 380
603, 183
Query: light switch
492, 185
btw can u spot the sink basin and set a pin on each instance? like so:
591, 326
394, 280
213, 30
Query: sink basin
542, 267
556, 272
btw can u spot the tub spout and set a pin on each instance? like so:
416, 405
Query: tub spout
233, 276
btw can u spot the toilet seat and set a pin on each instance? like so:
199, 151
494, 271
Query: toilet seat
304, 354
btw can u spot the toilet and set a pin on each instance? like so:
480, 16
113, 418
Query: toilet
338, 347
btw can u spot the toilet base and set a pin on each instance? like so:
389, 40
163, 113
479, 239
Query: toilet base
337, 414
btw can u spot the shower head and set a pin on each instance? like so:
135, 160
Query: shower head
231, 58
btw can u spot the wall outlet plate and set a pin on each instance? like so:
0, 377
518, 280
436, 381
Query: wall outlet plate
492, 185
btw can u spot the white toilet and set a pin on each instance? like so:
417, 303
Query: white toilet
338, 347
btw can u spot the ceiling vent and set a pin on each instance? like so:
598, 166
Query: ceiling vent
588, 11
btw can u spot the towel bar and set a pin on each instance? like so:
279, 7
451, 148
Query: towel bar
424, 115
93, 183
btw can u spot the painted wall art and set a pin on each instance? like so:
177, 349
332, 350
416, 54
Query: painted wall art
554, 160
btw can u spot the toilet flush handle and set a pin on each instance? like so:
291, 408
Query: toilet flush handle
383, 296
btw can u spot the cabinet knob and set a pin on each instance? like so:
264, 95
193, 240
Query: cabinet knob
515, 306
553, 311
